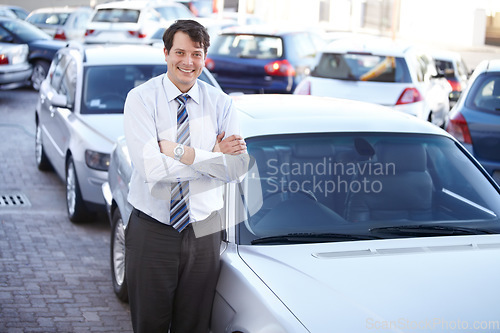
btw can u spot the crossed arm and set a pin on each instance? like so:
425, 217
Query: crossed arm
232, 145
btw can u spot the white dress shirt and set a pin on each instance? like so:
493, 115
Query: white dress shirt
150, 115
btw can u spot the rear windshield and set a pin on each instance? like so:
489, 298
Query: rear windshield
116, 15
248, 46
485, 94
49, 18
362, 67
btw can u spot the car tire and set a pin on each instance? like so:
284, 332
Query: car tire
77, 212
118, 275
40, 70
42, 161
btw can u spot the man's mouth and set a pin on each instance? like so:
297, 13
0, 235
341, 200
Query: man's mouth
186, 70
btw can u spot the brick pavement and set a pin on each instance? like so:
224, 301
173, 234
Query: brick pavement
54, 275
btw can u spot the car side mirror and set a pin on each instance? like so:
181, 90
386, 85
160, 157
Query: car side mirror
59, 100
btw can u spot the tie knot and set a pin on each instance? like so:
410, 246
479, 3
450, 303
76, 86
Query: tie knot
182, 98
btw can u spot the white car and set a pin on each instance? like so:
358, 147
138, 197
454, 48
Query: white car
64, 23
132, 21
352, 218
379, 70
79, 114
15, 70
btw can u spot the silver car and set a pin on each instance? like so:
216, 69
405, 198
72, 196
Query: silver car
352, 218
15, 70
79, 114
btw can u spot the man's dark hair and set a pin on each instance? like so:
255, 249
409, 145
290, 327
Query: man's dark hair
197, 32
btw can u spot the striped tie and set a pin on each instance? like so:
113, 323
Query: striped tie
179, 213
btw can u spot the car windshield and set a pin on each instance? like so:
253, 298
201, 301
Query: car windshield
105, 88
362, 67
353, 186
248, 46
24, 30
113, 15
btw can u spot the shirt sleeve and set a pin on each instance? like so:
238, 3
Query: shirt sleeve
142, 142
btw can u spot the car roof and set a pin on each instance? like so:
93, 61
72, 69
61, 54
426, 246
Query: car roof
119, 54
262, 29
491, 65
65, 9
446, 55
259, 115
373, 45
136, 4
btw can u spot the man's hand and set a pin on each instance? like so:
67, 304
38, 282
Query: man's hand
233, 145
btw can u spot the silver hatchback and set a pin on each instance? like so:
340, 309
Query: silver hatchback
79, 114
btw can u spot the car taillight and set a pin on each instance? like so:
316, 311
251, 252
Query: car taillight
137, 34
303, 88
280, 68
89, 32
455, 85
409, 95
457, 126
60, 35
209, 64
4, 60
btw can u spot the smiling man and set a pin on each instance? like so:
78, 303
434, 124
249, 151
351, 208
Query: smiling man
184, 143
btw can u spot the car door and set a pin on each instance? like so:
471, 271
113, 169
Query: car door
56, 117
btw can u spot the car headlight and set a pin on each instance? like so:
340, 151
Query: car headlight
96, 160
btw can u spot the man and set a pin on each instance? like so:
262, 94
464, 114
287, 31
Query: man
175, 126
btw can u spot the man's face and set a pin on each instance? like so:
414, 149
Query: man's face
185, 61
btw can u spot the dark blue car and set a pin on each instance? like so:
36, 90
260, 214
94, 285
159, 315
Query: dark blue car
475, 119
259, 59
42, 47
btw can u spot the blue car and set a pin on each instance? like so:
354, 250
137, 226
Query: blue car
475, 119
260, 59
42, 47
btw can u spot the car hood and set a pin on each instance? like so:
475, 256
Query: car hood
109, 126
397, 285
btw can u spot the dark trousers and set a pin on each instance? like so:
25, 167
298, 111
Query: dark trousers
171, 276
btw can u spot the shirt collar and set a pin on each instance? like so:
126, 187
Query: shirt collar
172, 91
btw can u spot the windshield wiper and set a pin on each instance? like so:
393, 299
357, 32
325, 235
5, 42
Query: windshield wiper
306, 237
430, 230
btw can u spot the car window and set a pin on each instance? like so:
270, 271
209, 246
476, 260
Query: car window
248, 46
485, 94
116, 15
58, 72
362, 67
68, 82
354, 183
106, 87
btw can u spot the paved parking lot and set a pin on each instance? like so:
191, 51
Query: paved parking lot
54, 275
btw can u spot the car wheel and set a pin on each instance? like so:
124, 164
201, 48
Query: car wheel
42, 161
118, 257
75, 205
40, 70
